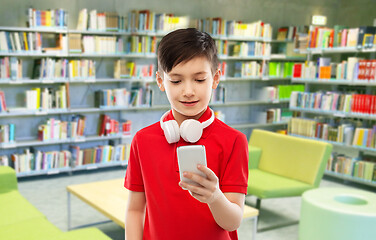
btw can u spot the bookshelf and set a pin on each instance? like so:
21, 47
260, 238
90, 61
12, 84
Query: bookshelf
327, 116
27, 143
61, 44
336, 50
255, 125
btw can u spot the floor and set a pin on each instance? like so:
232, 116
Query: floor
48, 194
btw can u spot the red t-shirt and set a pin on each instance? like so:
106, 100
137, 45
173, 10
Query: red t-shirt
171, 212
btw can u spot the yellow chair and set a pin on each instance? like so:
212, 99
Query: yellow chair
284, 166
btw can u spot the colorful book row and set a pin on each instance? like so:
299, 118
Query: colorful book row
108, 126
350, 166
279, 92
334, 101
342, 36
354, 69
249, 49
289, 32
47, 98
47, 18
46, 68
346, 133
7, 133
55, 129
127, 69
111, 45
20, 41
121, 97
280, 69
100, 21
101, 154
147, 20
35, 160
275, 115
49, 69
222, 27
248, 69
137, 21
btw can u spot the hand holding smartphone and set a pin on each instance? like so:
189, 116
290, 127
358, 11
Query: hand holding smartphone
188, 159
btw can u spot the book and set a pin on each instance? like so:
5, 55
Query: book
352, 61
82, 20
323, 66
103, 120
274, 69
282, 33
81, 69
121, 70
352, 37
344, 34
297, 70
126, 127
364, 36
3, 105
74, 43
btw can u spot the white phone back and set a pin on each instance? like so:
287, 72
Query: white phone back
188, 158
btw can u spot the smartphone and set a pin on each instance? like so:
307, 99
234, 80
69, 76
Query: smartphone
188, 158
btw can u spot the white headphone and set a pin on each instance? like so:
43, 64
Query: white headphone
190, 130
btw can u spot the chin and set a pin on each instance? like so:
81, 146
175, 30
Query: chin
191, 113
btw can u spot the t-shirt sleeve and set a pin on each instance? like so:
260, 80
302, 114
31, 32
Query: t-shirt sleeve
133, 175
235, 176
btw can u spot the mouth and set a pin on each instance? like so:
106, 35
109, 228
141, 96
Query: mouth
189, 103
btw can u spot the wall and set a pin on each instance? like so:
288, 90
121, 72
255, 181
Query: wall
357, 13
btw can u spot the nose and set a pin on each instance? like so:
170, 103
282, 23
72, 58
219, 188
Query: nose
188, 90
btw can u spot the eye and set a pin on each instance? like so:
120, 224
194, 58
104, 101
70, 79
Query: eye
200, 80
175, 81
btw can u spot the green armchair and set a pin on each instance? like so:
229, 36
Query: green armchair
20, 220
284, 166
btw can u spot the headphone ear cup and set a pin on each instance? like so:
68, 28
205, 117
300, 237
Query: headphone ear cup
182, 131
191, 130
171, 131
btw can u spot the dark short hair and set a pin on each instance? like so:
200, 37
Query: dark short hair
183, 45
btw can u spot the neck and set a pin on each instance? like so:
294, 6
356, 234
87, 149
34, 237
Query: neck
179, 118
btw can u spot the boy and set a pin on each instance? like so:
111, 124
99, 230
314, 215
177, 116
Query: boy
158, 207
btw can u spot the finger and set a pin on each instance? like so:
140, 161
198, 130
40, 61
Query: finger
203, 181
201, 198
194, 189
208, 172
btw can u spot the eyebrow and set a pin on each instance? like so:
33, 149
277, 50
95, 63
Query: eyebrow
175, 75
180, 75
199, 73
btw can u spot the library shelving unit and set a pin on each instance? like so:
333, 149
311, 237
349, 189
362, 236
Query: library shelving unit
58, 44
245, 63
335, 115
26, 120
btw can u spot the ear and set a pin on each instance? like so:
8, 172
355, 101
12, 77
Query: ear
160, 81
216, 78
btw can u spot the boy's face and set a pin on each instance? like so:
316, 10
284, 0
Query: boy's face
188, 87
